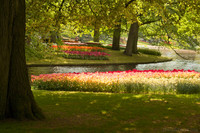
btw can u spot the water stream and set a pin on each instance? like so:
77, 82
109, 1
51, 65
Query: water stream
193, 63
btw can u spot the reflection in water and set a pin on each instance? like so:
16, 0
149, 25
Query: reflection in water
98, 68
178, 63
68, 69
193, 62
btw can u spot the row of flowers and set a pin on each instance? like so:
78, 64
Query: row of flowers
86, 55
132, 81
82, 52
79, 48
75, 43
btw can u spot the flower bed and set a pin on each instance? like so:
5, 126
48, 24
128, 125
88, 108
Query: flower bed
83, 52
75, 43
86, 55
132, 81
79, 48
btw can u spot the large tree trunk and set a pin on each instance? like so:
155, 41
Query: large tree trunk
96, 33
131, 46
16, 98
116, 37
135, 38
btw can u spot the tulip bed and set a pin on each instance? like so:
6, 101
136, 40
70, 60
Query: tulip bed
83, 52
79, 48
132, 81
86, 55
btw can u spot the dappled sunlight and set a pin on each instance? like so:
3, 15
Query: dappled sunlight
125, 98
124, 112
138, 96
115, 57
156, 99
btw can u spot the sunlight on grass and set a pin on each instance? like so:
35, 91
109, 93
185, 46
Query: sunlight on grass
105, 112
116, 57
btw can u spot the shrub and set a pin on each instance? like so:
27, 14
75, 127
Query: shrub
188, 87
149, 51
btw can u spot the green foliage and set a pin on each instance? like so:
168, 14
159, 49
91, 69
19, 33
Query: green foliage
184, 87
136, 88
35, 49
174, 21
142, 50
177, 23
188, 88
149, 51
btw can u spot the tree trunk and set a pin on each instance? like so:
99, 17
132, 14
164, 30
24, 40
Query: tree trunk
135, 38
54, 36
131, 46
116, 37
96, 33
16, 98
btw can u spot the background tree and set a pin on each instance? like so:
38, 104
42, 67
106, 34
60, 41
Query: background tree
16, 98
178, 24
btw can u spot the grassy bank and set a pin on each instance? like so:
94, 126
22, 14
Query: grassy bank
116, 57
107, 112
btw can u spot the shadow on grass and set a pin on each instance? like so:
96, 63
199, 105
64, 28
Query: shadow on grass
108, 112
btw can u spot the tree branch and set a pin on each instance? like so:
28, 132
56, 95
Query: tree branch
150, 21
91, 9
61, 5
128, 3
59, 14
169, 37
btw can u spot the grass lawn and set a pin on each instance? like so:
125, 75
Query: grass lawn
110, 112
116, 57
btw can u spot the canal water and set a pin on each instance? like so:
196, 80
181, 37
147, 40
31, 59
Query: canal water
190, 61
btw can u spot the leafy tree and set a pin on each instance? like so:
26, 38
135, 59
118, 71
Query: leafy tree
178, 23
168, 15
16, 98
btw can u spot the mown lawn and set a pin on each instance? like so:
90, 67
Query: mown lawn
117, 57
110, 112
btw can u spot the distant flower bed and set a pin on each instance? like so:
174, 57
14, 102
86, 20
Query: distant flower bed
86, 55
83, 52
132, 81
79, 48
75, 43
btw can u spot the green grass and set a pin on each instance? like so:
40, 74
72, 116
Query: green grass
110, 112
116, 57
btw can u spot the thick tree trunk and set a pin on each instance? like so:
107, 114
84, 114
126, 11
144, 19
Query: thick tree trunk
16, 98
131, 46
116, 38
96, 33
135, 38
